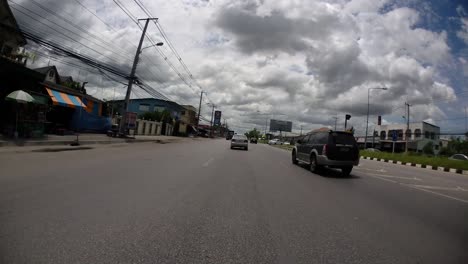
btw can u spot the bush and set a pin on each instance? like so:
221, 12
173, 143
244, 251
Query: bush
428, 149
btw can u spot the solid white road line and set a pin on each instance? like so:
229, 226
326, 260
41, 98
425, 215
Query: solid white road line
399, 177
458, 188
436, 193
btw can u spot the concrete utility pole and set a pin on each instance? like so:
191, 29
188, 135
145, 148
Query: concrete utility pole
368, 106
466, 123
407, 127
199, 111
336, 120
212, 115
122, 130
301, 128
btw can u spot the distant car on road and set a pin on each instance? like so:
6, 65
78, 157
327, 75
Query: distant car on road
253, 140
239, 141
334, 149
459, 157
286, 143
373, 150
275, 142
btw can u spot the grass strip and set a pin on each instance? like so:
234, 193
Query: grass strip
418, 159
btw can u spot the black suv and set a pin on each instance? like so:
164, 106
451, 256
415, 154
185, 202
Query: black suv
334, 149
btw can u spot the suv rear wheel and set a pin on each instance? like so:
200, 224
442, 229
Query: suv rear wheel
346, 171
313, 163
294, 158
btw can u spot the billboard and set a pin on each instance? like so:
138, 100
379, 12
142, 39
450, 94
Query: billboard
217, 118
280, 125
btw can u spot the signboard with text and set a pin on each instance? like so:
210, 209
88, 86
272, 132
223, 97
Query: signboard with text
217, 118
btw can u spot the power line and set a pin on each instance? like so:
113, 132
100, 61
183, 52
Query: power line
171, 46
95, 15
79, 27
129, 14
66, 29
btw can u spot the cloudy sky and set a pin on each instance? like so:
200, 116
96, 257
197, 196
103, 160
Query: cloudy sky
304, 61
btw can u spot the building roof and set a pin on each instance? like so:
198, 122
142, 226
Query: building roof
45, 70
189, 107
12, 25
152, 99
64, 79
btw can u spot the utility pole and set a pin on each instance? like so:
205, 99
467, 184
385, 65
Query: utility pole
122, 130
301, 128
407, 127
212, 115
466, 124
336, 120
199, 111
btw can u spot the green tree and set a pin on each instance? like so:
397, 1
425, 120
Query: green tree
428, 149
253, 133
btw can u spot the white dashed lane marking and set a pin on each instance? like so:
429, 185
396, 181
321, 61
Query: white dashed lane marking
208, 162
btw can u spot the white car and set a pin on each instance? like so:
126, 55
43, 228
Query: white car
239, 141
286, 143
275, 142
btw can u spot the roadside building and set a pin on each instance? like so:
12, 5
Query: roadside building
188, 120
418, 135
72, 109
27, 119
143, 105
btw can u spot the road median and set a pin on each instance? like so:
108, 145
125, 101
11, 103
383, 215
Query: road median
418, 161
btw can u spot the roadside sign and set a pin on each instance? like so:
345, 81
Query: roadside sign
217, 118
131, 119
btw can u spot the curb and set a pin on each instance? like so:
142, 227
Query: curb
422, 166
82, 142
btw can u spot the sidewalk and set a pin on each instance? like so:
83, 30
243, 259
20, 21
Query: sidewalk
84, 139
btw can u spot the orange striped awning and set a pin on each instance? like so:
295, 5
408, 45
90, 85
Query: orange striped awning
64, 99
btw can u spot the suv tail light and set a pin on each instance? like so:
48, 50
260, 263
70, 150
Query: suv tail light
324, 150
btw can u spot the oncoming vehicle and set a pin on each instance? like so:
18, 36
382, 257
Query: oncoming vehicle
334, 149
240, 141
229, 135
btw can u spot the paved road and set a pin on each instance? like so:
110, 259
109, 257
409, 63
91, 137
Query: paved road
200, 202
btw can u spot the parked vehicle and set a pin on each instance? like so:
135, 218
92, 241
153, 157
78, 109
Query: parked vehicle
275, 142
240, 141
253, 140
334, 149
458, 157
286, 143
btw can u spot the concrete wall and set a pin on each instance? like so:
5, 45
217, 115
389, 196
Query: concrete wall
148, 128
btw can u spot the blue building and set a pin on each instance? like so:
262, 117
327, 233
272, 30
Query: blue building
144, 105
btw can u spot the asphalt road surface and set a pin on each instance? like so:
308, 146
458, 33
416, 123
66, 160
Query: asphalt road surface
200, 202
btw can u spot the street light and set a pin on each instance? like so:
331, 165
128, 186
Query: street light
157, 44
367, 121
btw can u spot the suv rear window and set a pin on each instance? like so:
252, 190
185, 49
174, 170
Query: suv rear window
343, 138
